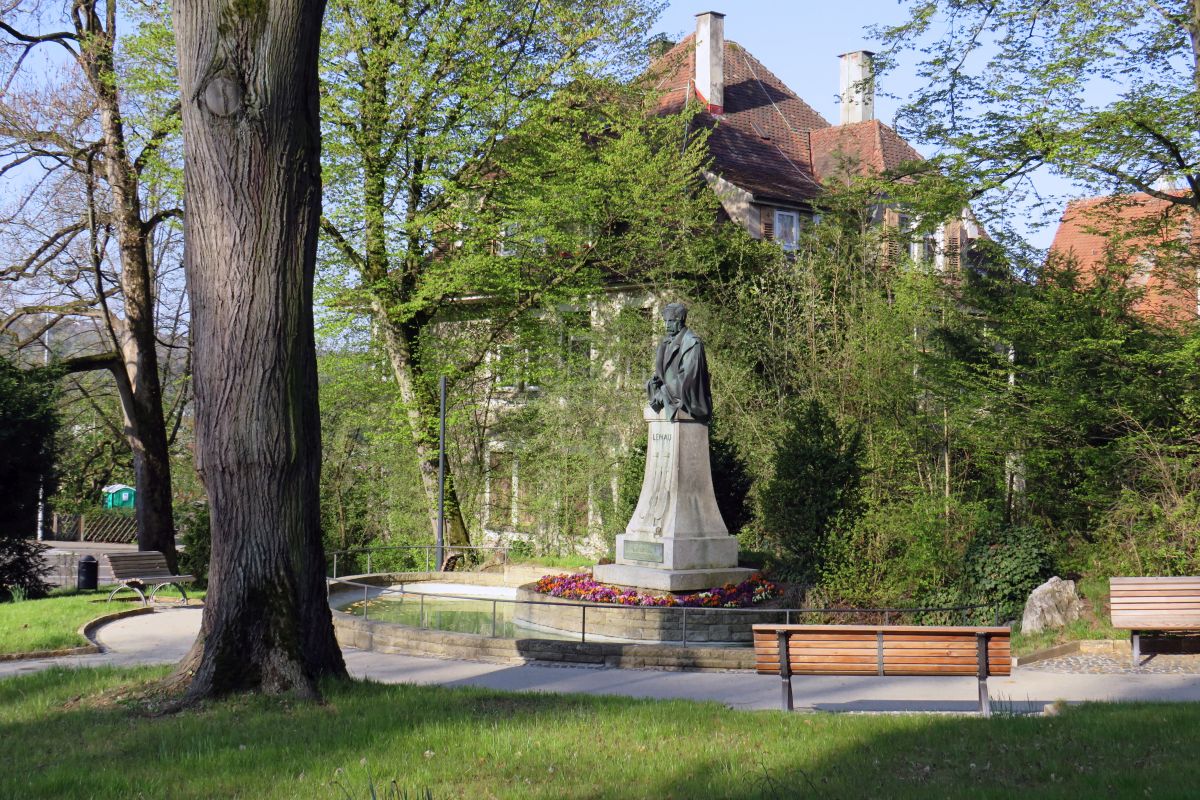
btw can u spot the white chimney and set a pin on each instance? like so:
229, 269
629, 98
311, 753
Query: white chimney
710, 60
858, 86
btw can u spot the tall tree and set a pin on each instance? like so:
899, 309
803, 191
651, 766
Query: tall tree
78, 132
1103, 92
418, 96
248, 73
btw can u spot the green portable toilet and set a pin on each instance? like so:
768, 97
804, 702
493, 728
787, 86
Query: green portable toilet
118, 495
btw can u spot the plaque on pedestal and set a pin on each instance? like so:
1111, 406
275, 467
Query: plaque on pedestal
676, 540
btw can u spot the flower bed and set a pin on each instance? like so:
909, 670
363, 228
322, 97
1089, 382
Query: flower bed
582, 587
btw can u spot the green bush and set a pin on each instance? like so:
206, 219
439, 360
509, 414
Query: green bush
22, 569
193, 521
816, 488
731, 482
520, 550
903, 554
629, 484
1003, 565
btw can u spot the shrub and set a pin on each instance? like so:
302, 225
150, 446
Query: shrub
1003, 565
731, 482
520, 550
629, 484
193, 520
902, 553
22, 569
816, 488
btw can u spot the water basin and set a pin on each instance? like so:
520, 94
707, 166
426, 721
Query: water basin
453, 607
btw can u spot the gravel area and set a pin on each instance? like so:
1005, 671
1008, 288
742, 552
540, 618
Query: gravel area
1079, 663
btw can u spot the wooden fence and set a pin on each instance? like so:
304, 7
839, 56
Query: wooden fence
95, 526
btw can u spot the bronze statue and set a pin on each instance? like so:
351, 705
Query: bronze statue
680, 379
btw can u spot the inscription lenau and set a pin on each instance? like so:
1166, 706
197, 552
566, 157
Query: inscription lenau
643, 551
662, 437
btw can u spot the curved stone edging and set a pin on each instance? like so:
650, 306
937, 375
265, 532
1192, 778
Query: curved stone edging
652, 624
1113, 647
390, 637
87, 631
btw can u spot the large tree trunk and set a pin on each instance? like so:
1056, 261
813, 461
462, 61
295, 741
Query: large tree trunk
248, 74
146, 432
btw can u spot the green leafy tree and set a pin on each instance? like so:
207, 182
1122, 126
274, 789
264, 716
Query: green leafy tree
28, 421
816, 488
1106, 94
435, 116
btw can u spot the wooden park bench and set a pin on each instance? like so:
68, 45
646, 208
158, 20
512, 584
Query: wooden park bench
882, 650
136, 571
1166, 608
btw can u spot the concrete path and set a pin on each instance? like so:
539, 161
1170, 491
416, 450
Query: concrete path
165, 636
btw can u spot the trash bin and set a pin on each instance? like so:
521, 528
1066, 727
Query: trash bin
88, 573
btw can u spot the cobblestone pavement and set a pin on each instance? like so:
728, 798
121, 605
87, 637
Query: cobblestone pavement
1080, 663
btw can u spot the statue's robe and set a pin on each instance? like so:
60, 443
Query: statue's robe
681, 377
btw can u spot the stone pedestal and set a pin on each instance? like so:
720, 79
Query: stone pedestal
676, 541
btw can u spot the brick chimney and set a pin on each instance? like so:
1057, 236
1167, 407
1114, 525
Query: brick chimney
710, 60
858, 86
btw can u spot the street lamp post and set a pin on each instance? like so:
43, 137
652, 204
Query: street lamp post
440, 542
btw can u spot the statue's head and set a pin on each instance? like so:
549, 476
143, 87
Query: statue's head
675, 315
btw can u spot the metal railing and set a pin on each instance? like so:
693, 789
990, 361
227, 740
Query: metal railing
354, 555
371, 592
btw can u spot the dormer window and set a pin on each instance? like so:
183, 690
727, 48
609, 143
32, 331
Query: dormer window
787, 229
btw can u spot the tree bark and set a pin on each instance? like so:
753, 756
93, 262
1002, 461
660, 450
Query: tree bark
248, 74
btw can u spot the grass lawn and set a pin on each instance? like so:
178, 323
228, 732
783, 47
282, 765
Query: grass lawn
560, 562
53, 623
472, 743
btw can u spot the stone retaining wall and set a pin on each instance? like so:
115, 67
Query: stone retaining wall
608, 621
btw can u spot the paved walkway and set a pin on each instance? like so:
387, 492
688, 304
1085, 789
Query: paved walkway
1155, 664
165, 636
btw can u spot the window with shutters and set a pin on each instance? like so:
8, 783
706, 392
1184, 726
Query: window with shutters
787, 229
953, 252
767, 222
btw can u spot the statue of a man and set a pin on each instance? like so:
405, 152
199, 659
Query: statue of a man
680, 379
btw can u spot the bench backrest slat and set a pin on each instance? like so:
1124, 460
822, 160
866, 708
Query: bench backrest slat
882, 650
1155, 603
145, 564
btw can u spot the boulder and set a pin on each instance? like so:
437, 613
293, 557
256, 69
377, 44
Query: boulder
1051, 605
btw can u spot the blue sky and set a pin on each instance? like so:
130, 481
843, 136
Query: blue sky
800, 40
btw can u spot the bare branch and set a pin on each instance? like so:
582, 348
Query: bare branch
109, 361
342, 243
160, 217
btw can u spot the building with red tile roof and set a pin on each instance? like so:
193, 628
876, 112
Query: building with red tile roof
1146, 240
772, 153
